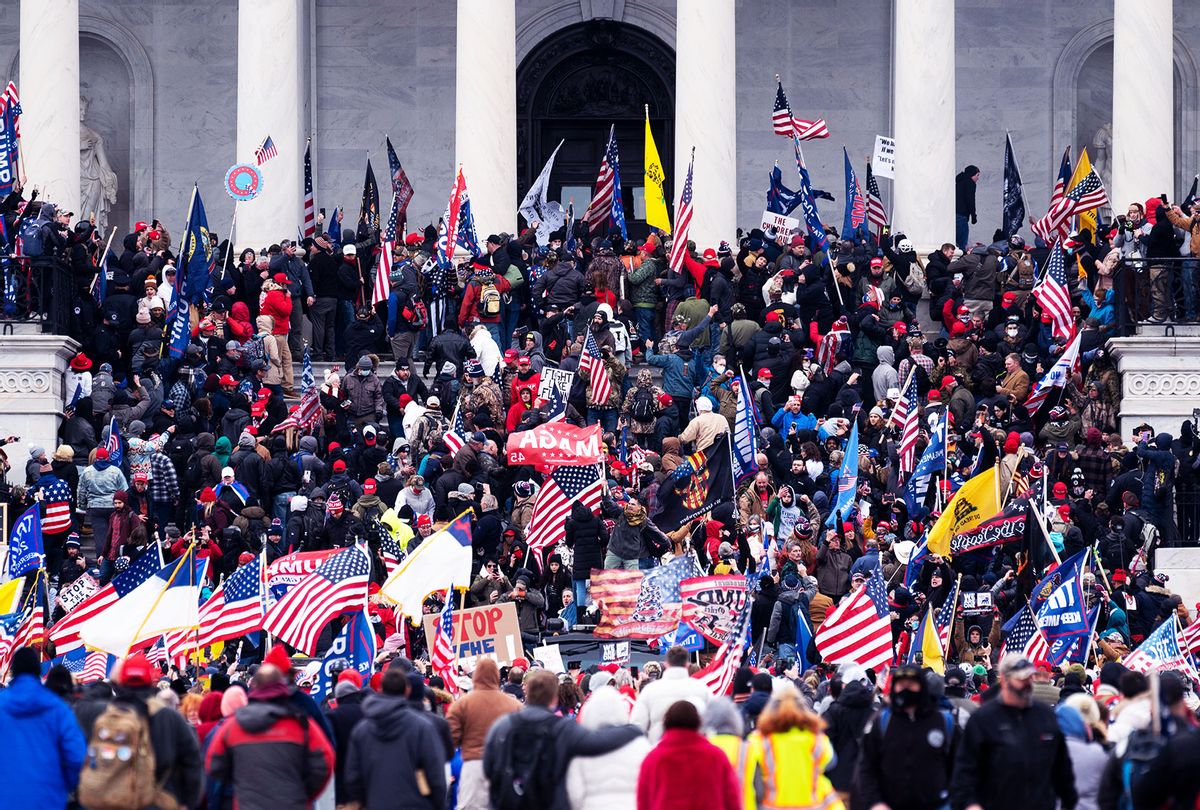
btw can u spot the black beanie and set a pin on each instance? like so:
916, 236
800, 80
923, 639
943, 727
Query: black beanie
26, 661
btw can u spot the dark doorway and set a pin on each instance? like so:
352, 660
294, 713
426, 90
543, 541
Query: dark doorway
576, 84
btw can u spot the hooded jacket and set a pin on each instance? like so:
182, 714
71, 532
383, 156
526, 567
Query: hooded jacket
45, 745
386, 749
585, 533
472, 716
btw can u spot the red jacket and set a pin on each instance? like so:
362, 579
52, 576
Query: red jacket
469, 311
682, 767
278, 304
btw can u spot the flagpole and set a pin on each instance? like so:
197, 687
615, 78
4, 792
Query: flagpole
170, 581
229, 249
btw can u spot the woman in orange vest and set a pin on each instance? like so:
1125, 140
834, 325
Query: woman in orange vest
784, 760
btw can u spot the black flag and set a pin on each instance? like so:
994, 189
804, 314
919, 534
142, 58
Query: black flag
1014, 193
704, 480
368, 214
1190, 199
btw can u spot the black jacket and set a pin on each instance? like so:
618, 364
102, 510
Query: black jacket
902, 766
1012, 757
1174, 775
847, 719
343, 719
586, 535
386, 750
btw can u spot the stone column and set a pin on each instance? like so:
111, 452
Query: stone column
32, 394
49, 87
923, 116
485, 119
271, 48
706, 117
1143, 116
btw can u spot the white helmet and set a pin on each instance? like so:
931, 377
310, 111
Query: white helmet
905, 245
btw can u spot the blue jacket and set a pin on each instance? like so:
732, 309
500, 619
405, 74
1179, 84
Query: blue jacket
784, 419
44, 746
675, 379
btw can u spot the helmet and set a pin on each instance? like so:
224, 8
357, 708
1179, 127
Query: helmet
905, 246
1016, 242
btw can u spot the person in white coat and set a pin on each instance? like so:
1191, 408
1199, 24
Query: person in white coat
485, 349
658, 696
603, 782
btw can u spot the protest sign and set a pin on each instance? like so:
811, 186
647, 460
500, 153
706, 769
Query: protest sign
491, 631
71, 595
779, 224
883, 161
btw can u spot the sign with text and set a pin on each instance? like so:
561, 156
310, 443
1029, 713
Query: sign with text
70, 596
554, 388
555, 444
883, 161
491, 631
779, 224
712, 604
615, 653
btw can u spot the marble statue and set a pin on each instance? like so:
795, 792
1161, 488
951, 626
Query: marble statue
97, 180
1102, 153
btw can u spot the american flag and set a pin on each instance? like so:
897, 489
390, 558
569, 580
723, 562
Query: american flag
876, 214
235, 608
56, 499
308, 380
442, 657
265, 151
1052, 293
401, 186
11, 625
337, 586
718, 675
1087, 194
389, 549
831, 344
65, 633
1025, 637
944, 616
606, 202
116, 453
683, 219
1191, 637
447, 241
859, 629
157, 652
784, 123
1060, 188
908, 417
96, 666
12, 100
456, 437
310, 215
32, 631
1056, 377
593, 363
641, 604
383, 267
552, 506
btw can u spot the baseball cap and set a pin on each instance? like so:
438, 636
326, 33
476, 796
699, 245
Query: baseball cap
1015, 665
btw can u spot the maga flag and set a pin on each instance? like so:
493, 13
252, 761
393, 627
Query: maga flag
854, 223
976, 501
196, 256
656, 198
703, 481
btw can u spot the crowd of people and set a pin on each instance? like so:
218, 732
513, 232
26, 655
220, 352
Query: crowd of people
214, 450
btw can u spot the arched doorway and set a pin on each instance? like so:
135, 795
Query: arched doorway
577, 83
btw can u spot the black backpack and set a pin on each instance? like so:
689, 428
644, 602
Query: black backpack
527, 766
643, 405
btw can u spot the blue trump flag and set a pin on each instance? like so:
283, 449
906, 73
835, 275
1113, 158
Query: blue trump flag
354, 648
1061, 608
745, 434
114, 446
780, 198
812, 219
181, 328
333, 228
8, 149
196, 255
25, 549
932, 460
847, 485
854, 222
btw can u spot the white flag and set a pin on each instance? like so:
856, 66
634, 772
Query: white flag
534, 207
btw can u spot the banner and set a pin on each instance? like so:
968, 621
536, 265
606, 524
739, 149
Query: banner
994, 532
8, 151
1162, 651
712, 604
288, 570
655, 177
25, 552
883, 161
555, 444
554, 388
72, 595
976, 501
699, 484
354, 648
779, 224
483, 632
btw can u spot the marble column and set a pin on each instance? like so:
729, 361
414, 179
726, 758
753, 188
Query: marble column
485, 119
924, 128
706, 117
1143, 124
49, 87
271, 48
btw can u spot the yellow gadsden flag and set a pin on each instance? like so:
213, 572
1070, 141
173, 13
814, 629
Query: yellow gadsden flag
1082, 169
656, 200
974, 503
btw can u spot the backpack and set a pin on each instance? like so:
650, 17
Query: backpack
195, 469
118, 771
417, 314
1142, 747
643, 405
526, 765
489, 299
254, 349
31, 237
915, 282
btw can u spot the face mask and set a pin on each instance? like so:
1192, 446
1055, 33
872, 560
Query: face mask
1011, 331
905, 699
719, 368
893, 307
363, 373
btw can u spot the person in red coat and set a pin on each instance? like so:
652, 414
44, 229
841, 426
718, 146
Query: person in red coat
685, 766
277, 303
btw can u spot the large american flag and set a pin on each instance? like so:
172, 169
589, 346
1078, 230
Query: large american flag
859, 629
1191, 637
57, 500
908, 417
401, 187
442, 657
265, 151
310, 215
1060, 188
1087, 194
383, 267
337, 586
1056, 377
456, 437
683, 219
641, 604
718, 675
552, 506
65, 633
784, 123
1025, 637
876, 214
235, 608
606, 201
593, 363
831, 344
1052, 293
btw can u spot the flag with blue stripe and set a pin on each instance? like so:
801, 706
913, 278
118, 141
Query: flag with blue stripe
745, 434
847, 485
932, 460
116, 449
25, 549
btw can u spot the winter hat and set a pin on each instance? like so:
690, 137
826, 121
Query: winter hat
474, 368
278, 657
299, 503
1012, 443
208, 495
334, 504
276, 528
704, 405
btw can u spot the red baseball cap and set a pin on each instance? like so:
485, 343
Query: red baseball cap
227, 380
765, 374
339, 466
369, 486
948, 380
351, 676
136, 670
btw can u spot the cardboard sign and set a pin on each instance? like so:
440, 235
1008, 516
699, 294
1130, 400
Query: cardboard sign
70, 597
883, 161
779, 224
550, 656
555, 380
491, 631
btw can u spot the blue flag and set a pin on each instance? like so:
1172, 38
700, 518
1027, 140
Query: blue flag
100, 287
570, 241
8, 150
467, 237
780, 198
181, 328
912, 571
932, 460
196, 255
25, 549
854, 223
354, 648
745, 434
1061, 610
847, 486
333, 228
812, 219
804, 635
116, 450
